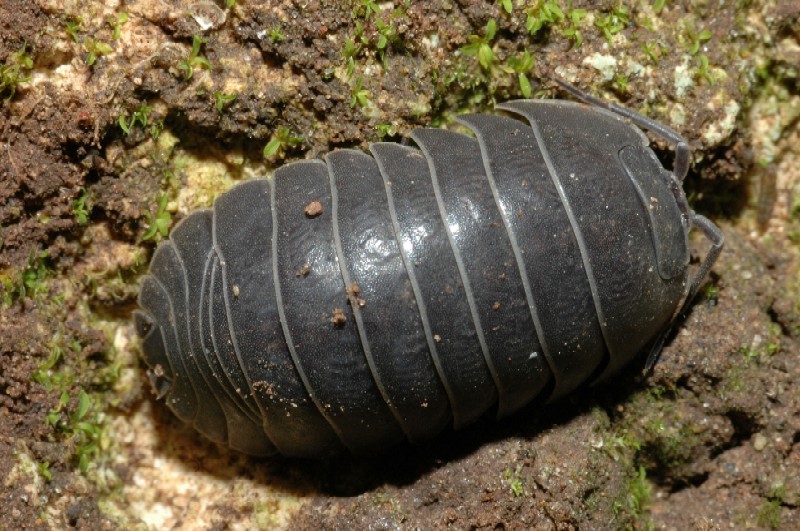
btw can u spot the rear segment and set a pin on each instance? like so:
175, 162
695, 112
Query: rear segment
196, 390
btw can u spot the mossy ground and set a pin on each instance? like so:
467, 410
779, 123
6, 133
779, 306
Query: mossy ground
108, 107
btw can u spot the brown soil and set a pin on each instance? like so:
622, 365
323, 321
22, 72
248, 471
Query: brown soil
101, 126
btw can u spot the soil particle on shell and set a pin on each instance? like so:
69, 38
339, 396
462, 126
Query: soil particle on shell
338, 317
313, 209
354, 290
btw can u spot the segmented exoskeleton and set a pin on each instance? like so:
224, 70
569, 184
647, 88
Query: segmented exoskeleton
360, 300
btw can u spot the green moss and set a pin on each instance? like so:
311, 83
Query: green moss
350, 52
30, 282
95, 48
160, 221
44, 470
621, 445
276, 35
711, 293
654, 51
542, 16
79, 423
551, 14
654, 433
140, 116
671, 444
633, 503
194, 59
769, 513
83, 385
481, 46
117, 23
360, 96
614, 22
761, 349
72, 26
366, 8
223, 100
46, 376
621, 83
521, 65
13, 72
80, 209
387, 34
280, 141
703, 72
515, 483
377, 34
573, 22
696, 39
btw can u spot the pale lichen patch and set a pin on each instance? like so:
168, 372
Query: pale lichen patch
605, 64
721, 129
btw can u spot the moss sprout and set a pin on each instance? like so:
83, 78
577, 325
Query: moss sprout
194, 59
282, 139
160, 222
13, 72
481, 47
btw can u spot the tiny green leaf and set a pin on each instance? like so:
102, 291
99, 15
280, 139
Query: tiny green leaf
491, 29
84, 403
160, 222
223, 100
120, 21
272, 147
79, 208
524, 85
485, 56
276, 35
123, 124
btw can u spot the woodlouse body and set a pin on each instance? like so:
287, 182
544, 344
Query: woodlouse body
358, 301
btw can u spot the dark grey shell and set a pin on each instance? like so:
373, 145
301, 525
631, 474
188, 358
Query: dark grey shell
438, 283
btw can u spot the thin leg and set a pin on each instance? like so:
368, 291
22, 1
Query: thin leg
717, 239
680, 167
682, 151
680, 198
713, 233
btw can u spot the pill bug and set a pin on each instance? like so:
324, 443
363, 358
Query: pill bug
358, 301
